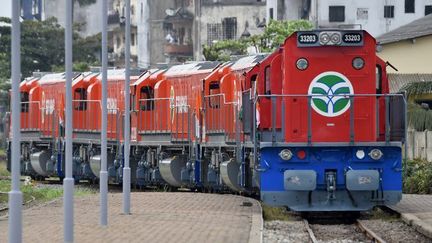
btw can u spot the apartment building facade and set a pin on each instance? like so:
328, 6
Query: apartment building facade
375, 16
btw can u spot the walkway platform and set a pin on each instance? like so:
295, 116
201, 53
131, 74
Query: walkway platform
416, 210
156, 217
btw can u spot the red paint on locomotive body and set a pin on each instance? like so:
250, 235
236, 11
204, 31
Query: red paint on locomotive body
30, 104
336, 62
52, 95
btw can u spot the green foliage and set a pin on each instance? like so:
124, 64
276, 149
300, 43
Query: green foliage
222, 50
275, 213
42, 48
417, 176
419, 118
277, 31
85, 2
417, 88
274, 35
40, 193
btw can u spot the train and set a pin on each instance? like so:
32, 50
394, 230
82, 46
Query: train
311, 126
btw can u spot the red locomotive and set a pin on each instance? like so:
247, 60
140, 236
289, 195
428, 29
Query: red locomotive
311, 126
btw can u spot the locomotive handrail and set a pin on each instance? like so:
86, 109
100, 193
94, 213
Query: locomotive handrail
309, 111
28, 119
94, 101
224, 100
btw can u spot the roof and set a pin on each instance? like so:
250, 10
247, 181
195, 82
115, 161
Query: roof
247, 61
191, 68
399, 80
418, 28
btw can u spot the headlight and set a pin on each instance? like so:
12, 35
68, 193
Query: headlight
302, 64
286, 154
336, 38
360, 154
324, 38
358, 63
376, 154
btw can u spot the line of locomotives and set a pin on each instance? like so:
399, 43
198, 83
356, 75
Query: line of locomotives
311, 126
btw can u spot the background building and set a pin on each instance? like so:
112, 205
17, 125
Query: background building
408, 47
375, 16
174, 31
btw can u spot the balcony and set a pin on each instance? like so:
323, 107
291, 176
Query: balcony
178, 50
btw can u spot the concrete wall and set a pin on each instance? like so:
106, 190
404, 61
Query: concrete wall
6, 9
419, 145
409, 56
89, 15
375, 23
244, 13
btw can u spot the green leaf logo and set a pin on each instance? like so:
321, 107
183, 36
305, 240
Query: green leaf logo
330, 94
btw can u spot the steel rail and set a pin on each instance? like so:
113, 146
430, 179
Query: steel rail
369, 233
309, 230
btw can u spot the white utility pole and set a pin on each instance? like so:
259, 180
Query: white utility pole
103, 176
68, 182
15, 195
126, 137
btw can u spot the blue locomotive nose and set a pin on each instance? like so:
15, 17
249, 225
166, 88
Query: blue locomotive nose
331, 178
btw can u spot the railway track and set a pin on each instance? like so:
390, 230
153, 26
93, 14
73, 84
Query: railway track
314, 236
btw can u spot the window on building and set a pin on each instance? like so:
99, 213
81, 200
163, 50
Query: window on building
133, 36
271, 13
80, 97
336, 13
24, 101
389, 11
214, 33
362, 13
229, 28
35, 7
428, 9
267, 83
118, 41
214, 101
146, 98
409, 6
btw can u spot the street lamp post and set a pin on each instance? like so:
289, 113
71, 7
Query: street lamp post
68, 182
126, 168
15, 195
103, 182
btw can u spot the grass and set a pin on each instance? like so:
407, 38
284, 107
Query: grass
275, 213
378, 213
3, 158
3, 169
40, 194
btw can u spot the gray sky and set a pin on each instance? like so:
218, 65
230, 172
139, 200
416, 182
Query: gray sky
5, 8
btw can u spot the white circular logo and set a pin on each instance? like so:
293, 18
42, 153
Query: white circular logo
330, 93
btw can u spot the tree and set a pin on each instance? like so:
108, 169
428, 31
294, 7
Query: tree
274, 35
85, 2
42, 47
223, 50
419, 116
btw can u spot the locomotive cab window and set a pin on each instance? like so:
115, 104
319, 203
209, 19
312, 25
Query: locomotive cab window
253, 82
378, 77
24, 101
214, 101
146, 98
267, 83
80, 95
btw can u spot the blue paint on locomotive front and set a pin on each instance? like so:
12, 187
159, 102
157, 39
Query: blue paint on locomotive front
322, 159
